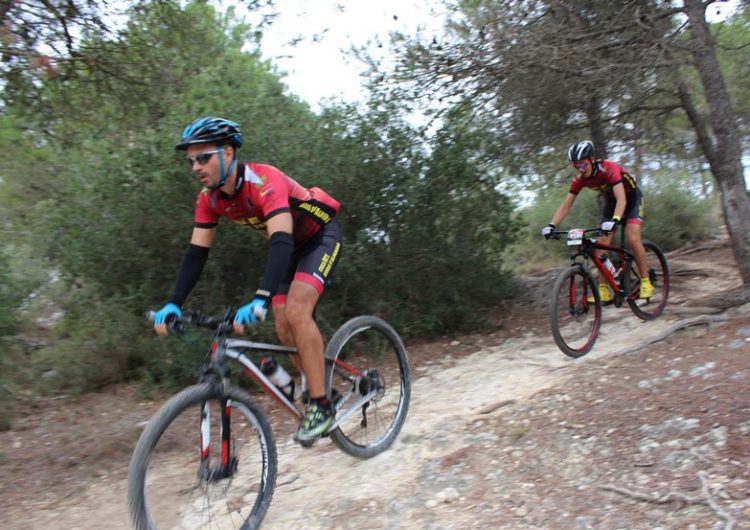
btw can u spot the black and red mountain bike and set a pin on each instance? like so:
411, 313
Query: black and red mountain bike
576, 311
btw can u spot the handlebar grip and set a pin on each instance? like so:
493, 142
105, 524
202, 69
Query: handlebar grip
175, 325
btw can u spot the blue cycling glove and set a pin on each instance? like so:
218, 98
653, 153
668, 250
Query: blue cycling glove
160, 317
253, 312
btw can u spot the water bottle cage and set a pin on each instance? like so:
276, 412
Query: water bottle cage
289, 395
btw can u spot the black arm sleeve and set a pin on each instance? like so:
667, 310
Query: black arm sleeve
277, 263
190, 271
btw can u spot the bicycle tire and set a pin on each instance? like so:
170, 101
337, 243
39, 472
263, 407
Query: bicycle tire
651, 308
171, 508
371, 346
577, 282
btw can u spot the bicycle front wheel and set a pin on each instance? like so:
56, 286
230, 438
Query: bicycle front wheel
184, 476
576, 312
658, 272
367, 365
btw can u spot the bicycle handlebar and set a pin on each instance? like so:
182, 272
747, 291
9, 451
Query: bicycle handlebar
176, 325
557, 234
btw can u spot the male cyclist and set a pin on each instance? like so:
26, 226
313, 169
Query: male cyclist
623, 203
305, 244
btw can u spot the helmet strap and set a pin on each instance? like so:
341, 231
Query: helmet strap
223, 175
595, 168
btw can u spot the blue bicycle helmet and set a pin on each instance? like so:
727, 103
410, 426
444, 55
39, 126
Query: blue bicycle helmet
581, 151
210, 130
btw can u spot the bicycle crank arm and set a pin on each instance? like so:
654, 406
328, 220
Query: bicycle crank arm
351, 410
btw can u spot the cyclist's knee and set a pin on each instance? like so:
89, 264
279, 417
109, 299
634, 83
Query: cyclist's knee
298, 314
284, 332
283, 329
633, 235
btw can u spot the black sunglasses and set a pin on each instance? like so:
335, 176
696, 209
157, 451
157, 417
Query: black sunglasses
201, 158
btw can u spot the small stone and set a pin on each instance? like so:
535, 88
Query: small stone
719, 436
448, 495
521, 511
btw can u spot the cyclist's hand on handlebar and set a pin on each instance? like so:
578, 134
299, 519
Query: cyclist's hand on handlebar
251, 313
163, 315
547, 231
608, 226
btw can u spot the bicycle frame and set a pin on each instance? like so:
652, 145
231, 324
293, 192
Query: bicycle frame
252, 370
222, 348
586, 250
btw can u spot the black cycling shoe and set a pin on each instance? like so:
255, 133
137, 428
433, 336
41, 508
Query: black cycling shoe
336, 398
316, 422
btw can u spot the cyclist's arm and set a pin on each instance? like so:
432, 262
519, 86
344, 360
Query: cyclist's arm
622, 199
190, 270
279, 229
279, 223
203, 237
193, 263
564, 208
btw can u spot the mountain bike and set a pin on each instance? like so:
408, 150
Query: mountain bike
576, 311
207, 458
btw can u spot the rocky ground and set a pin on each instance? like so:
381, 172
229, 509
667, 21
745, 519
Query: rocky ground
503, 431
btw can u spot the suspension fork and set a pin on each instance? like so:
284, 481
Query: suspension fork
228, 463
226, 412
572, 294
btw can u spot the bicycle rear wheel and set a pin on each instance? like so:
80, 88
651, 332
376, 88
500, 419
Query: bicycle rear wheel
170, 485
367, 364
658, 273
574, 319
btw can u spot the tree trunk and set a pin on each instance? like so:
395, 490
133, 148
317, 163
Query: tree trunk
596, 127
724, 153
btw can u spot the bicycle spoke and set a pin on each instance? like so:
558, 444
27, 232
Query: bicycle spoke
575, 313
370, 362
171, 489
658, 274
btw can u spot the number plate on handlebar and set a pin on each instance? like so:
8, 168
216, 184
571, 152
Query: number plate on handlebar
575, 237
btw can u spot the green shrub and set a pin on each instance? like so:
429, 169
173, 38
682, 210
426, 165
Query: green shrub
531, 252
675, 217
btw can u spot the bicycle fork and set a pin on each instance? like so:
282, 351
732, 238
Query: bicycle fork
228, 462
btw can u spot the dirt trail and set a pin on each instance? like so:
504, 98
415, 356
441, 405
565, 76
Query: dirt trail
451, 394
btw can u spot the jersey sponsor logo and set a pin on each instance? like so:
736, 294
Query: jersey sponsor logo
328, 260
629, 178
266, 191
254, 178
315, 211
252, 222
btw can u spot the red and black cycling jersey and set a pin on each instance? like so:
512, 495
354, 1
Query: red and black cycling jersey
262, 191
607, 174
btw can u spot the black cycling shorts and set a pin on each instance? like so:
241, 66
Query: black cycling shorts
314, 262
634, 209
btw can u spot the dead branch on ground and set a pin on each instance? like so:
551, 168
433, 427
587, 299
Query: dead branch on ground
680, 324
704, 498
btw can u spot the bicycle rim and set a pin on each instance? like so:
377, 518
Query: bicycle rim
575, 319
366, 357
658, 273
169, 489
